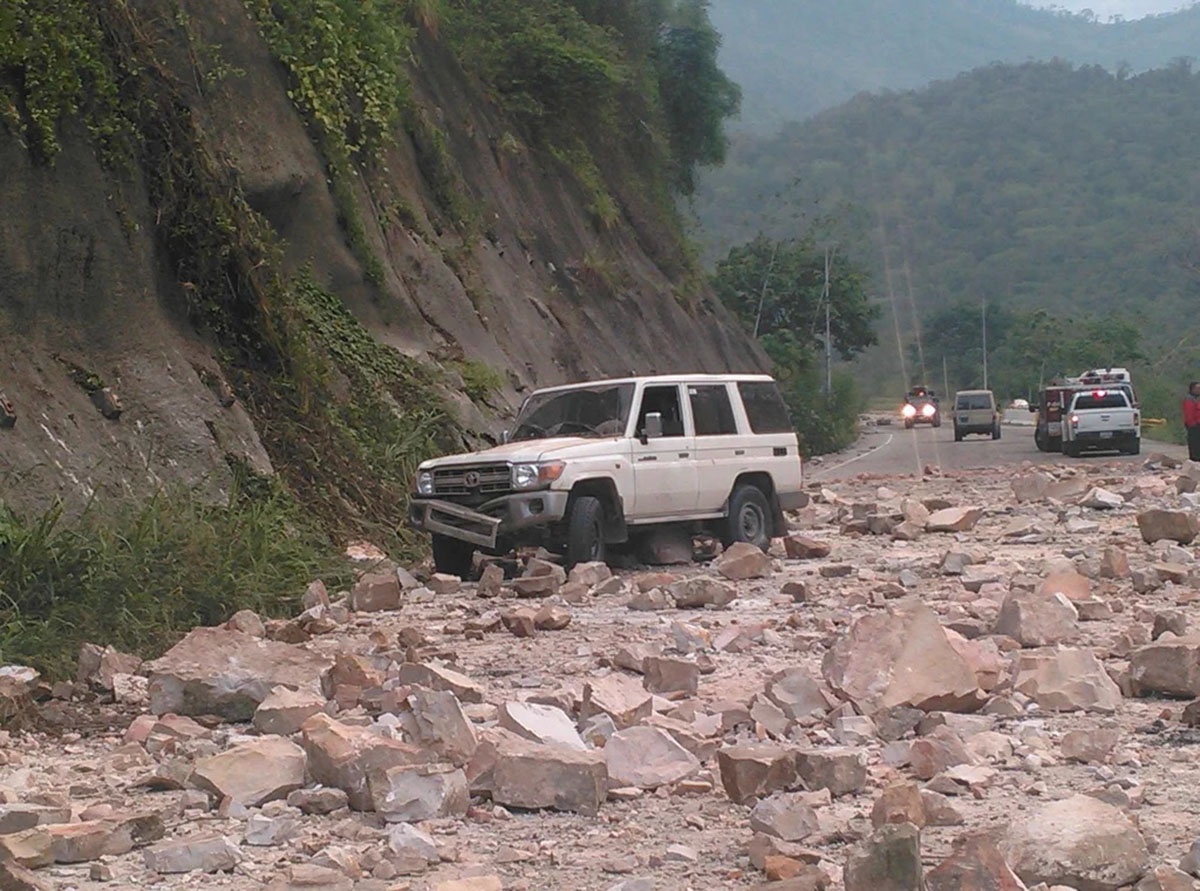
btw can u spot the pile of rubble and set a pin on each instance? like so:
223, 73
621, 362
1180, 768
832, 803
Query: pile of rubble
977, 682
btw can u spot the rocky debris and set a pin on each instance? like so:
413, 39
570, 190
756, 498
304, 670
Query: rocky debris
99, 665
742, 560
14, 877
901, 657
1168, 525
1099, 498
214, 671
535, 586
520, 622
749, 772
937, 752
662, 674
785, 816
975, 864
1079, 841
954, 519
1167, 878
491, 581
442, 583
803, 547
439, 677
90, 840
207, 854
1038, 619
889, 860
344, 756
899, 803
590, 574
1169, 666
621, 698
254, 772
840, 770
528, 775
376, 592
1089, 746
319, 800
1114, 564
1066, 680
284, 711
541, 724
795, 693
700, 591
646, 758
434, 719
1031, 486
413, 793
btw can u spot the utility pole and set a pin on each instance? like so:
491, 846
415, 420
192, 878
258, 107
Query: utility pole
828, 330
983, 303
762, 297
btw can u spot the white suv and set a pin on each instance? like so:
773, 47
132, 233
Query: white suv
591, 465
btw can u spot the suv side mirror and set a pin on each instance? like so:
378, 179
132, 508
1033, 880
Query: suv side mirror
653, 428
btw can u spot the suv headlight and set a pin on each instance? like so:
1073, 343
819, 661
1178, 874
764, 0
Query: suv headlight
929, 411
531, 476
425, 482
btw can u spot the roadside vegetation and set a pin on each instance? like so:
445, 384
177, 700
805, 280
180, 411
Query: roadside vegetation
777, 291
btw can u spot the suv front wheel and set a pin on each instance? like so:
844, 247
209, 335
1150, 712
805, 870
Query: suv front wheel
585, 531
452, 556
749, 517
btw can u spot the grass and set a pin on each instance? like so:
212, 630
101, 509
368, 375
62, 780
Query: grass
140, 576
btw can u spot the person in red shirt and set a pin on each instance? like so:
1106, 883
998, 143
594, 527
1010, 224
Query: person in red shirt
1191, 419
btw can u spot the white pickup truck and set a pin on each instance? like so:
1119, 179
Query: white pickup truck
592, 465
1101, 420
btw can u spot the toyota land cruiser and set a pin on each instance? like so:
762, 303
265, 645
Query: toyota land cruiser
590, 465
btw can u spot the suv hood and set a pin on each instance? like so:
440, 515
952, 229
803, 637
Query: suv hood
527, 452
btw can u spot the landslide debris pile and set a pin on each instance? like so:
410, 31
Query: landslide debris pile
971, 681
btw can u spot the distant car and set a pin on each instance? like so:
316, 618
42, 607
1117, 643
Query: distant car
975, 412
921, 407
1019, 405
1101, 420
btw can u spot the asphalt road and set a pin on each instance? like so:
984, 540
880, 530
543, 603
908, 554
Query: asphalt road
892, 450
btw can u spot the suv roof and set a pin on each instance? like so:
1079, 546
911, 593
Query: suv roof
973, 393
665, 379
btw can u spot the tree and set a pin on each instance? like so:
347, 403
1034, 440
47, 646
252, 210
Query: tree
696, 94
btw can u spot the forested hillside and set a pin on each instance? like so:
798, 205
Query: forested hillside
795, 58
1040, 185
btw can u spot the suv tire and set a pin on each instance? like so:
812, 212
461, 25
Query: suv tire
958, 437
585, 531
1039, 440
937, 420
749, 517
996, 432
1135, 447
1070, 449
452, 556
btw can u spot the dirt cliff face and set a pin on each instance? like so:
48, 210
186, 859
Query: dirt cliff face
536, 291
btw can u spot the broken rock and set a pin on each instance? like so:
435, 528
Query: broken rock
1080, 842
743, 560
1168, 525
376, 593
284, 711
646, 758
750, 772
1034, 619
975, 864
1065, 680
1170, 666
784, 816
840, 770
901, 657
214, 671
208, 854
666, 675
253, 773
703, 590
890, 860
344, 756
411, 794
528, 775
954, 519
541, 724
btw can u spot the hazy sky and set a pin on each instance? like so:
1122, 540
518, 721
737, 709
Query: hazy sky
1130, 9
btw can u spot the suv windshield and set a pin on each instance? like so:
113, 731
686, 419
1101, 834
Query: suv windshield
583, 411
974, 402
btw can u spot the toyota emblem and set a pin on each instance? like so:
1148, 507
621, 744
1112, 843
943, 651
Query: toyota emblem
471, 479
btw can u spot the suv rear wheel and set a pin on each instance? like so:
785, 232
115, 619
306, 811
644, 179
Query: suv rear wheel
585, 531
996, 432
452, 556
749, 517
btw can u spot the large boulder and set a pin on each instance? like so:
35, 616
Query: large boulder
646, 758
214, 671
529, 775
1066, 680
345, 756
254, 772
901, 657
743, 560
1080, 842
1038, 618
1170, 667
954, 519
1168, 525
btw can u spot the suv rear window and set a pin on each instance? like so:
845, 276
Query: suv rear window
1108, 400
765, 407
711, 410
974, 402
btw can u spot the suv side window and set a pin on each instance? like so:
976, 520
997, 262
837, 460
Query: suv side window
665, 401
712, 411
765, 407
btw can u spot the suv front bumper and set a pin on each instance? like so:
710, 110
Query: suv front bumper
485, 525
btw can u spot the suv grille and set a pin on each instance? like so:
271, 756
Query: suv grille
489, 479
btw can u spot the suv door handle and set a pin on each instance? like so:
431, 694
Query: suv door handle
648, 458
739, 451
683, 454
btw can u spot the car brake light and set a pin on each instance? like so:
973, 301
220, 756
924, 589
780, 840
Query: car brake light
1100, 394
1074, 420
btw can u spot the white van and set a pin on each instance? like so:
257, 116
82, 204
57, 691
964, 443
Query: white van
975, 412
